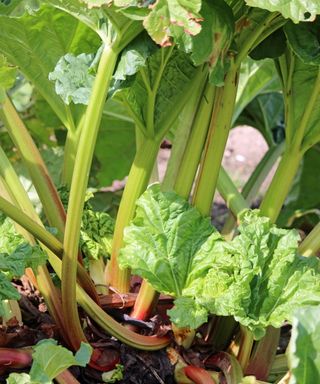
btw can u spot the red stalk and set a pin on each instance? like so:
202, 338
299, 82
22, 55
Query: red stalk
198, 375
15, 358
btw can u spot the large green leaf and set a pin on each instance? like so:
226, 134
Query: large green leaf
35, 44
304, 39
212, 43
258, 277
304, 348
8, 75
165, 241
176, 72
116, 146
296, 10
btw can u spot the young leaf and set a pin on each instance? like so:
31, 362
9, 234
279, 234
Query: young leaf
304, 348
165, 241
19, 378
296, 10
96, 233
73, 78
50, 359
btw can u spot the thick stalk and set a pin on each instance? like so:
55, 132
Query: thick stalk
216, 141
70, 150
233, 198
246, 343
78, 190
146, 300
253, 185
182, 135
107, 323
31, 226
281, 184
46, 287
192, 154
311, 244
263, 354
40, 176
136, 184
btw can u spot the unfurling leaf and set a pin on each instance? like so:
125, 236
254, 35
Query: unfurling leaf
73, 78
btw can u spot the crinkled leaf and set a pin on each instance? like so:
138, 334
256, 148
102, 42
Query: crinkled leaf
32, 256
113, 376
19, 378
134, 56
73, 78
213, 42
165, 241
96, 233
177, 72
304, 348
9, 238
262, 280
304, 39
50, 359
296, 10
197, 314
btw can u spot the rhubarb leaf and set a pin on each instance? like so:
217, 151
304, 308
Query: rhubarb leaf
176, 71
261, 280
165, 241
50, 359
172, 19
304, 348
73, 78
96, 233
212, 43
304, 40
296, 10
19, 378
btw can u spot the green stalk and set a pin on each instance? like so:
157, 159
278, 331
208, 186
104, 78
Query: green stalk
107, 323
233, 198
246, 343
46, 287
70, 150
253, 185
216, 141
40, 176
281, 184
182, 134
137, 182
78, 190
311, 244
191, 157
31, 226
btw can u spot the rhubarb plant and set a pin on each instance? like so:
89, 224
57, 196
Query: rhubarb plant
108, 82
